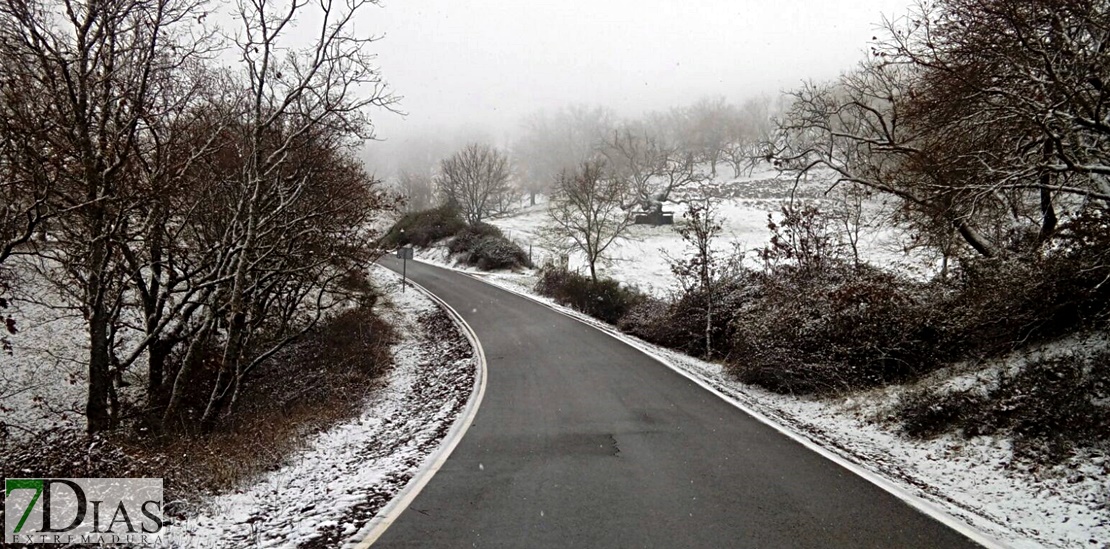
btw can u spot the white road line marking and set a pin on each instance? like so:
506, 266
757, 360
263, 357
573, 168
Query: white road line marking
400, 502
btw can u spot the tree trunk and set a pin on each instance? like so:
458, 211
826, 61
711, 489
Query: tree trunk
708, 325
215, 401
97, 415
96, 405
157, 353
159, 348
977, 242
184, 375
228, 373
233, 348
1048, 212
1048, 217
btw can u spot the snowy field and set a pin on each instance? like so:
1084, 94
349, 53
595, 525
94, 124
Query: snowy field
978, 481
642, 259
43, 380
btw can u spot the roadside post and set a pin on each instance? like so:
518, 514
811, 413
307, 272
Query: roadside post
404, 253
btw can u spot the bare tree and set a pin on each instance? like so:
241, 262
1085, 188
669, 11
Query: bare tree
506, 202
24, 187
90, 72
984, 117
586, 211
301, 101
750, 129
1036, 70
418, 189
856, 128
708, 124
699, 229
849, 210
223, 209
552, 143
414, 162
168, 272
650, 165
475, 180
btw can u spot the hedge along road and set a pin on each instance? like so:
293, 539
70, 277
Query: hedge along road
583, 441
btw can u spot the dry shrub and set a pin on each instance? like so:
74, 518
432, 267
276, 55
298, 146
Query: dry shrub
816, 323
467, 238
606, 299
1051, 408
493, 253
824, 326
486, 247
424, 228
647, 320
995, 305
680, 322
831, 331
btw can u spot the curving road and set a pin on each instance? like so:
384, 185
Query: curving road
583, 441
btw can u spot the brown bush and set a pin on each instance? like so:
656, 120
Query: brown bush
834, 330
424, 227
680, 322
606, 299
1051, 407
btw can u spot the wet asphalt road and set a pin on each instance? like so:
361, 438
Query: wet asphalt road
583, 441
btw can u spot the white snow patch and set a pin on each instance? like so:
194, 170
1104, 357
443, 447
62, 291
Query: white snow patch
43, 380
641, 259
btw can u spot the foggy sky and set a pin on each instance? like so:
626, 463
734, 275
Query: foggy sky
485, 64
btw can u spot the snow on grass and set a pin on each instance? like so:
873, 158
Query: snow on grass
43, 380
368, 458
642, 259
977, 480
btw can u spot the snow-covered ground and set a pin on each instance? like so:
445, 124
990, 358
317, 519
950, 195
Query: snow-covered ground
43, 379
641, 259
331, 490
978, 481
